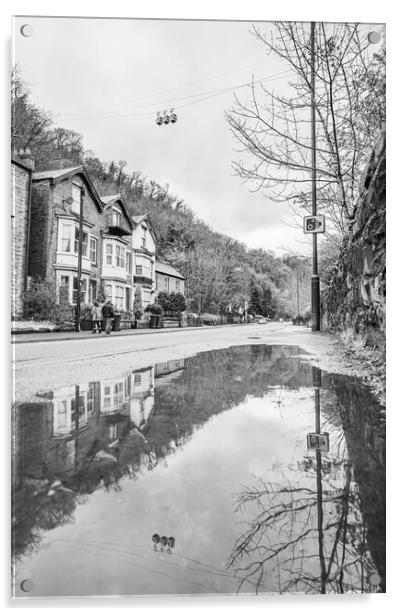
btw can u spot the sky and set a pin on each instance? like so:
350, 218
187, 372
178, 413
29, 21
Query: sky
107, 78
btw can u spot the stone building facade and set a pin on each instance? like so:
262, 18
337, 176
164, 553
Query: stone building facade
168, 279
117, 258
21, 181
144, 246
53, 250
118, 250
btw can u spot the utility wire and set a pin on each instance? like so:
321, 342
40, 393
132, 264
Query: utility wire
185, 85
201, 96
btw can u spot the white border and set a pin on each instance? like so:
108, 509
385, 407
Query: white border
356, 10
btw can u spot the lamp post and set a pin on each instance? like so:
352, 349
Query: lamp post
79, 269
315, 281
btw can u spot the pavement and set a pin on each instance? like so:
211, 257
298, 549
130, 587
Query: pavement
63, 359
17, 338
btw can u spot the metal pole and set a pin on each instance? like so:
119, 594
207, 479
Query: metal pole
78, 307
315, 281
297, 291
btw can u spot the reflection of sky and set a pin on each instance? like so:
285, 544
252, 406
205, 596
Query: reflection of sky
109, 551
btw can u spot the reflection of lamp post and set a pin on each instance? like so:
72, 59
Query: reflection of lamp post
79, 269
320, 513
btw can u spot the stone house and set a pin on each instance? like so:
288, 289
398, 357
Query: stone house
168, 279
143, 242
117, 257
53, 251
21, 184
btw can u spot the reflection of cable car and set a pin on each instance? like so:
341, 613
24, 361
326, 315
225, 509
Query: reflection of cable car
166, 118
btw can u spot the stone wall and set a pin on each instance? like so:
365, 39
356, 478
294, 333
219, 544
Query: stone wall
20, 186
355, 294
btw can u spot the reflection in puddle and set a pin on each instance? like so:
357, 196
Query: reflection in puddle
244, 469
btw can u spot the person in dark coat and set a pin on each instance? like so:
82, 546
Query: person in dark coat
108, 315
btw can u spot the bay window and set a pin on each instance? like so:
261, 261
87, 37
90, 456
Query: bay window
119, 257
119, 296
128, 262
66, 238
93, 249
84, 242
109, 254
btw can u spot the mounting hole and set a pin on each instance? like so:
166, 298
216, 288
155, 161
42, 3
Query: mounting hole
374, 37
26, 585
27, 30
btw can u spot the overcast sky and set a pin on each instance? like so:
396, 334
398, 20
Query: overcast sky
106, 78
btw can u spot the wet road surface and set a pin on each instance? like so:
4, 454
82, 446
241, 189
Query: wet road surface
216, 450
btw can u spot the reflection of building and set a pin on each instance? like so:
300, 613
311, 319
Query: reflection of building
142, 396
168, 367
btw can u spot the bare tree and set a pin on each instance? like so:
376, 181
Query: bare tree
273, 129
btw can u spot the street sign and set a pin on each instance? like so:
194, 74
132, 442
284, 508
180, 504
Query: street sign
318, 442
314, 224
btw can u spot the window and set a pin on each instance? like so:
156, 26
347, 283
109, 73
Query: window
137, 378
84, 289
177, 285
106, 397
66, 238
109, 254
64, 289
118, 394
119, 296
93, 249
143, 236
62, 414
166, 283
116, 219
138, 270
128, 299
119, 257
108, 291
128, 262
90, 399
76, 194
84, 242
92, 291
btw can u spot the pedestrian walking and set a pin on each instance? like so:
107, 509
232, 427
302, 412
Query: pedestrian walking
96, 314
108, 315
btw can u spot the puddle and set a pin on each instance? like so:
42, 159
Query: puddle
210, 451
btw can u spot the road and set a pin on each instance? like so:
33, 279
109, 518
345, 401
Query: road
47, 365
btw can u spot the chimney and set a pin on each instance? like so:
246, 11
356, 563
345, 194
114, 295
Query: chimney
25, 155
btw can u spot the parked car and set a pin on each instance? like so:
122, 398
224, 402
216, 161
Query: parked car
262, 321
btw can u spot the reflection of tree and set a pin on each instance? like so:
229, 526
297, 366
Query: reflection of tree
304, 532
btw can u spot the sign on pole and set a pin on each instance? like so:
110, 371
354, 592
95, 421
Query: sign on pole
314, 224
318, 442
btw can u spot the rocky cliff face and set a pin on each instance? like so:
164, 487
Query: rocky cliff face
355, 295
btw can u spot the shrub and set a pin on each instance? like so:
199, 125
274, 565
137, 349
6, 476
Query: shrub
40, 301
154, 309
210, 319
137, 304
